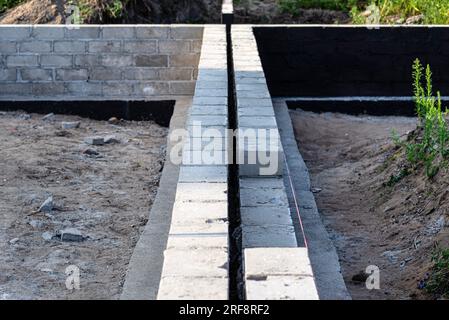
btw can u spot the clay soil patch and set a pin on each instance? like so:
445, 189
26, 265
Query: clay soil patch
105, 192
394, 226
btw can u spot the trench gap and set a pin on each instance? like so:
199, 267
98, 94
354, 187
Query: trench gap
236, 282
159, 111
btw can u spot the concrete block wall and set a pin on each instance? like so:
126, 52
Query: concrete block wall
196, 257
93, 61
274, 266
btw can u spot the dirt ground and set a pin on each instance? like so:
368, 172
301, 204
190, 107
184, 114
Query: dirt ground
104, 192
396, 227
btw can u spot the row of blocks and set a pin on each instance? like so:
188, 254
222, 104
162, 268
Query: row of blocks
196, 257
274, 266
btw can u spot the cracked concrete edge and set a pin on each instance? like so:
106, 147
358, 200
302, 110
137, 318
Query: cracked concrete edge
145, 267
322, 252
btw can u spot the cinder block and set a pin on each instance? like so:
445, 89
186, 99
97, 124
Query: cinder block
152, 88
116, 60
210, 101
35, 46
69, 46
176, 74
281, 288
201, 192
265, 216
104, 46
48, 88
16, 88
71, 74
15, 32
186, 32
22, 61
56, 61
87, 60
257, 122
118, 32
208, 120
152, 32
47, 32
36, 74
262, 182
174, 46
203, 174
184, 60
193, 212
142, 73
84, 88
204, 234
105, 74
196, 46
209, 92
8, 47
82, 32
267, 236
182, 87
192, 288
206, 110
263, 197
151, 61
8, 75
139, 46
117, 89
255, 111
211, 262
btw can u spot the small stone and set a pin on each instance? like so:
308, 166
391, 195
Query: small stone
25, 116
47, 236
96, 141
13, 241
70, 125
49, 117
113, 120
47, 206
71, 235
35, 223
91, 152
111, 139
316, 190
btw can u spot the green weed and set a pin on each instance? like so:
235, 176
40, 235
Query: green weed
438, 282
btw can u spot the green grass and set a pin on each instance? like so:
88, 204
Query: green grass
438, 282
429, 145
432, 11
7, 4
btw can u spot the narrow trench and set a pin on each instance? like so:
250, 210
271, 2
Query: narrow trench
236, 282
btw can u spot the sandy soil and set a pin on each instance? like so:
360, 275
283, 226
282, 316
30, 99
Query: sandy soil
105, 196
394, 227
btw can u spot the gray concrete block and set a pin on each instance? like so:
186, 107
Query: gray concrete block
71, 74
151, 61
281, 288
199, 235
267, 197
84, 88
8, 47
265, 216
87, 60
196, 46
69, 46
14, 32
139, 46
209, 110
210, 262
186, 32
16, 88
205, 84
209, 92
202, 192
182, 87
191, 288
176, 74
174, 46
269, 236
257, 122
22, 61
117, 89
47, 32
193, 212
261, 182
35, 46
203, 174
210, 101
152, 32
142, 73
8, 74
184, 60
104, 46
105, 74
56, 61
118, 32
48, 88
207, 120
117, 60
36, 74
82, 32
151, 88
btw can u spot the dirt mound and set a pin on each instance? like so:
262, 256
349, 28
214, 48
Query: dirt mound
110, 11
375, 216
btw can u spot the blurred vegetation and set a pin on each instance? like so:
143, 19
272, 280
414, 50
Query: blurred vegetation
7, 4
